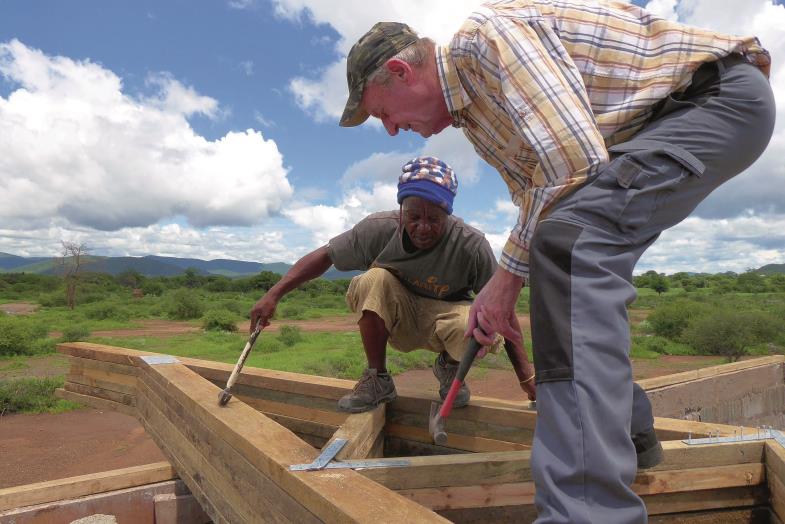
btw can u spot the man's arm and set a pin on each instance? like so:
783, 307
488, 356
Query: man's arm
526, 68
311, 266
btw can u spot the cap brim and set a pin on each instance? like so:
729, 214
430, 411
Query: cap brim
353, 113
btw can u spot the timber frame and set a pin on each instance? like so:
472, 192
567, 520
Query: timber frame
235, 459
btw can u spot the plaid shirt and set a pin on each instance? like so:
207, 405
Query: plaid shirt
542, 87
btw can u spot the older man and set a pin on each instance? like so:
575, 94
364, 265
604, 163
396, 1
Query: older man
608, 125
424, 265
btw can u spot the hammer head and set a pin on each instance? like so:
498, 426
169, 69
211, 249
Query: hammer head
223, 397
436, 425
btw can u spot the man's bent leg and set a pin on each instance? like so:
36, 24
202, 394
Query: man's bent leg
583, 459
374, 335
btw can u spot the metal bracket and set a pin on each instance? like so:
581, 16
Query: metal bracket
155, 360
761, 433
324, 460
324, 457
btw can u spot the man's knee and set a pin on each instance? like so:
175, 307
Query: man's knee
376, 282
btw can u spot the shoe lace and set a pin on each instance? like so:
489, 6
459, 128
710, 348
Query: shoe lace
369, 383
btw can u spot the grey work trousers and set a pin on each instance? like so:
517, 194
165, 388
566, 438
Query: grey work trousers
581, 261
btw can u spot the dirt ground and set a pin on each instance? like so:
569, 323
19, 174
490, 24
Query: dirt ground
19, 308
35, 448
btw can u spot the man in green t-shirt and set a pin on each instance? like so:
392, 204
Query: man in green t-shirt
422, 266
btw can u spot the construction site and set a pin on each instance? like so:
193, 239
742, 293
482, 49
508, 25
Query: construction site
280, 451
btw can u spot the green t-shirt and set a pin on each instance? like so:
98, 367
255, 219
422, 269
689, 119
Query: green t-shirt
461, 262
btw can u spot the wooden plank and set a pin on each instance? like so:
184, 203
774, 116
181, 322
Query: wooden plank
706, 500
83, 485
776, 495
483, 496
194, 482
678, 455
456, 441
465, 427
775, 458
361, 430
465, 469
652, 483
224, 476
775, 469
675, 429
78, 363
708, 372
100, 383
114, 396
319, 416
102, 352
755, 515
304, 427
332, 495
649, 483
95, 402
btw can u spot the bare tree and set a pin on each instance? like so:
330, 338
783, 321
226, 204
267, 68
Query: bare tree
70, 264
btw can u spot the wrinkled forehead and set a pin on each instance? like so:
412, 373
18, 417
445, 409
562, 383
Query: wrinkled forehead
419, 205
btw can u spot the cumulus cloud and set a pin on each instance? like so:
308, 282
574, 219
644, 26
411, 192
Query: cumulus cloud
77, 147
325, 222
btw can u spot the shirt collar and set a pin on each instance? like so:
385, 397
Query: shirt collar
455, 95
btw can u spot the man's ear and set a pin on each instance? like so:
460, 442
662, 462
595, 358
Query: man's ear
400, 69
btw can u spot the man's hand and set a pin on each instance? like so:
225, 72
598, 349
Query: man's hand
263, 311
493, 309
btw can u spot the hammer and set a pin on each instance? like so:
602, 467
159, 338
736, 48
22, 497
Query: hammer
225, 394
439, 414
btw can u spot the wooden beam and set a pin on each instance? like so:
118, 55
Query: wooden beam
465, 469
361, 431
271, 448
708, 372
675, 429
83, 485
775, 469
649, 483
455, 441
95, 402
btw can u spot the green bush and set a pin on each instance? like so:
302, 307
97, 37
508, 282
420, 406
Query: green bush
32, 395
106, 311
660, 345
75, 333
56, 299
152, 288
669, 320
292, 311
219, 320
185, 304
730, 333
290, 335
270, 345
18, 336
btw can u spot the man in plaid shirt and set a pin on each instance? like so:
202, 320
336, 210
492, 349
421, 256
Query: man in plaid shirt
609, 125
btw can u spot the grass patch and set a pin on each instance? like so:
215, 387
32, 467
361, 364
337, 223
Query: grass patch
33, 395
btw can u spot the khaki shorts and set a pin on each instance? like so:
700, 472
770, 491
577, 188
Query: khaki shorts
414, 322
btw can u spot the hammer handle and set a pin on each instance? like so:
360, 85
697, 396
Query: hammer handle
463, 369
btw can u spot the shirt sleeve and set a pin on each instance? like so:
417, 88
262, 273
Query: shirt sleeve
357, 248
526, 70
485, 266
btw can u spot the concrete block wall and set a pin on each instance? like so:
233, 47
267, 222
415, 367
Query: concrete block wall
751, 397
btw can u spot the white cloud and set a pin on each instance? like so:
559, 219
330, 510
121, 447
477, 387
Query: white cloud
663, 8
324, 95
247, 67
713, 246
77, 147
325, 222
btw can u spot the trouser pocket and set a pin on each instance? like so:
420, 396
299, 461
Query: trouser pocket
639, 181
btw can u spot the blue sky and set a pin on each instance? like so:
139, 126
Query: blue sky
209, 129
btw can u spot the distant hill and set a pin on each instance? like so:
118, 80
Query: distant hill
771, 269
154, 266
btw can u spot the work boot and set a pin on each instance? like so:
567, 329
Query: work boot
648, 448
372, 389
446, 372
